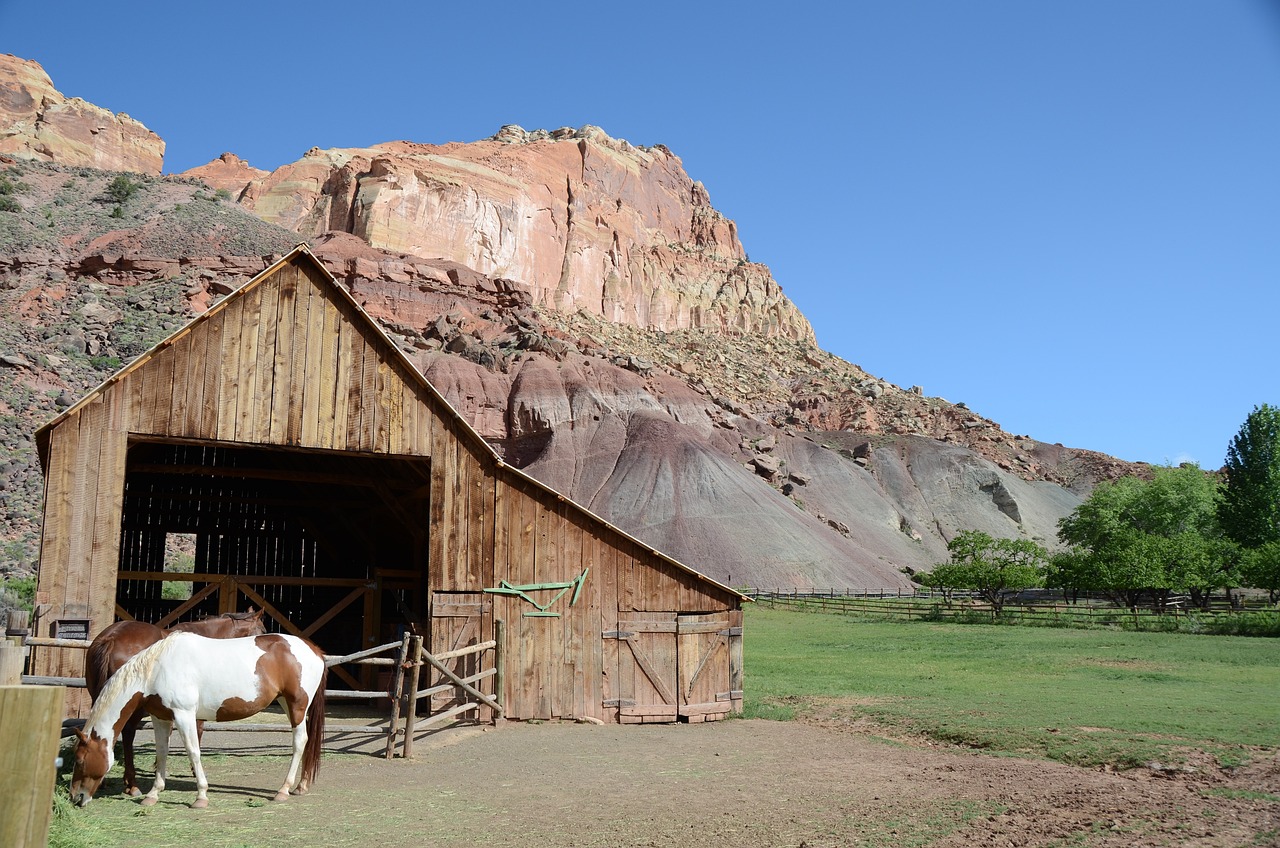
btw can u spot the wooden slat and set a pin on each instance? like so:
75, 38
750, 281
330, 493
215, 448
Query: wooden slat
205, 413
247, 386
282, 357
325, 412
264, 373
228, 370
297, 351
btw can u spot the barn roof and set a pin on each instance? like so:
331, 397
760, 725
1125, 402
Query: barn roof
302, 253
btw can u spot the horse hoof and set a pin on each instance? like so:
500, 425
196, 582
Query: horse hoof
200, 804
149, 801
133, 792
281, 796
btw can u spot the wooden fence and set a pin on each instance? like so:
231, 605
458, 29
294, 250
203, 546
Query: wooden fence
405, 659
965, 607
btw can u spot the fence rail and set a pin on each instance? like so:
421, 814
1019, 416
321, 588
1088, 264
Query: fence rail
405, 657
967, 607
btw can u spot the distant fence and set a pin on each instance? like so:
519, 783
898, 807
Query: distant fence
1035, 608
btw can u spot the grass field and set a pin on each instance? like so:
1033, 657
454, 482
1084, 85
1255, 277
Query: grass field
1086, 697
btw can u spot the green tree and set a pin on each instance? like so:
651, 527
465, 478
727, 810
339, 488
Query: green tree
121, 189
1250, 510
994, 568
1134, 537
1260, 568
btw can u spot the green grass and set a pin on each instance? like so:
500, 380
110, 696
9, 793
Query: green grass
1086, 697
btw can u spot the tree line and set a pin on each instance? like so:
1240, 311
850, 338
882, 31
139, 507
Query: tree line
1183, 531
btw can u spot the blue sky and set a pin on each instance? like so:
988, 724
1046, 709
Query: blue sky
1063, 214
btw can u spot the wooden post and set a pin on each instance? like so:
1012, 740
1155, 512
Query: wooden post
499, 661
11, 662
397, 693
30, 730
411, 695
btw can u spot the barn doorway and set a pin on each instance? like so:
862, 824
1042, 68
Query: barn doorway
332, 544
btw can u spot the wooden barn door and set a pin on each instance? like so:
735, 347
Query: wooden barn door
646, 684
457, 620
704, 649
675, 667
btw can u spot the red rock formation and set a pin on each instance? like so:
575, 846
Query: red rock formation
586, 221
228, 172
38, 122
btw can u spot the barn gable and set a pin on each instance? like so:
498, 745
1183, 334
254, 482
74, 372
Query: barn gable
304, 461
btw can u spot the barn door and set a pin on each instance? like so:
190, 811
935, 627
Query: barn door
645, 688
704, 648
457, 620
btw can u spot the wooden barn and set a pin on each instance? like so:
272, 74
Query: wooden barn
298, 462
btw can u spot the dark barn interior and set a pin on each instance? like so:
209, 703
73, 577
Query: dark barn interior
335, 541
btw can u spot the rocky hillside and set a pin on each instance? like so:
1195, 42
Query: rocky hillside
670, 386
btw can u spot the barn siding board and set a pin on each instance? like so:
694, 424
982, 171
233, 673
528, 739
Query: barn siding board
227, 371
264, 367
291, 360
246, 378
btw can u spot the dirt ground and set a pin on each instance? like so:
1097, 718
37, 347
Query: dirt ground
731, 783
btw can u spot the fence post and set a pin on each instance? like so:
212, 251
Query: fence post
397, 693
411, 694
29, 738
11, 662
499, 662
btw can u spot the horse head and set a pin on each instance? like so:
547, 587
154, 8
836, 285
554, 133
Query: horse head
248, 623
94, 759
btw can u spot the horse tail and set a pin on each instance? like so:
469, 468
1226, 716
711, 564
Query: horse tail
315, 733
97, 667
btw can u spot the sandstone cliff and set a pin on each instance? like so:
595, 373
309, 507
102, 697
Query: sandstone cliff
589, 223
38, 122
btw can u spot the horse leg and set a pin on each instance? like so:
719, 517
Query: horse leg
186, 723
126, 743
291, 780
163, 729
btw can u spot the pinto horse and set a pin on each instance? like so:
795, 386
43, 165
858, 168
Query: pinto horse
114, 645
185, 677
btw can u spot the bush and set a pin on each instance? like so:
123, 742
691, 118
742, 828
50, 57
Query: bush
120, 190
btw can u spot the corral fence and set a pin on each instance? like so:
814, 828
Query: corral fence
405, 660
1033, 607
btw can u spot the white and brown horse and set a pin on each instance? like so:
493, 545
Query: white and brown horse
114, 646
186, 677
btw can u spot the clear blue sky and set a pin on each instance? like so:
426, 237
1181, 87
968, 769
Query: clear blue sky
1063, 214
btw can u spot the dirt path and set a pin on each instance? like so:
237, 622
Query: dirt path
735, 783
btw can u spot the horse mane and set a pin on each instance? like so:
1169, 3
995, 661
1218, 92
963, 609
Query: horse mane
130, 677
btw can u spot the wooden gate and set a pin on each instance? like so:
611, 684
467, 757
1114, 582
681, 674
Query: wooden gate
457, 620
674, 667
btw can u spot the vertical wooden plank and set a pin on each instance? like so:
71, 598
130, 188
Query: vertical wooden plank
268, 342
342, 374
29, 740
177, 424
735, 660
355, 387
247, 386
282, 358
370, 397
209, 373
228, 369
395, 391
299, 379
104, 552
327, 366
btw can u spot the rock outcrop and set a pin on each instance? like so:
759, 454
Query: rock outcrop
589, 223
38, 122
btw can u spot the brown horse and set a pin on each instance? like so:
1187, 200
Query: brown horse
186, 677
117, 643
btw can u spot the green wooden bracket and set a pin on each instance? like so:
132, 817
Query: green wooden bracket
522, 592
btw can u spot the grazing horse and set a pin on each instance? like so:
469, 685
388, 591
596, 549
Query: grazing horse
185, 677
114, 645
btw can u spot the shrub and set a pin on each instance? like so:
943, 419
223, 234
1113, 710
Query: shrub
120, 190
